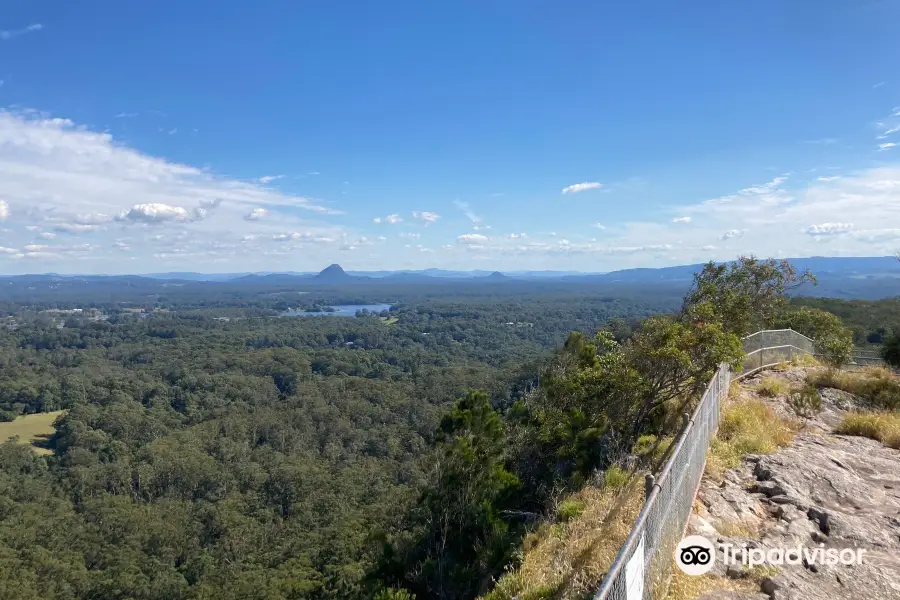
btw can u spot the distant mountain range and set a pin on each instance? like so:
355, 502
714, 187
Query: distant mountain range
879, 266
853, 277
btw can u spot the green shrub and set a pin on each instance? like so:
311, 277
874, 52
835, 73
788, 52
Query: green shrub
570, 509
805, 402
772, 387
615, 477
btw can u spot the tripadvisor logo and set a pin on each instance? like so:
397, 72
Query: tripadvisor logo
696, 555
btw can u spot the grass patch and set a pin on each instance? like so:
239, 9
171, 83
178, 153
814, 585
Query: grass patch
615, 478
747, 428
884, 427
772, 387
877, 386
390, 320
33, 429
570, 509
566, 561
689, 587
651, 449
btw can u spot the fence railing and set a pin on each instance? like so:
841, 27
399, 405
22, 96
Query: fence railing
642, 566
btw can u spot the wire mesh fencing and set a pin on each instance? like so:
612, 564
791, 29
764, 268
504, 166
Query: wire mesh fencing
643, 565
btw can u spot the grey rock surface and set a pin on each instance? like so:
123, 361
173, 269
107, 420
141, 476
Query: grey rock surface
822, 491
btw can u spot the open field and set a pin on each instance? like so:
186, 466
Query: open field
31, 429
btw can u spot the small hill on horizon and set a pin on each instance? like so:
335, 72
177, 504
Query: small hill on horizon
334, 273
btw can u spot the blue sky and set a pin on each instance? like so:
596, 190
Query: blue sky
141, 137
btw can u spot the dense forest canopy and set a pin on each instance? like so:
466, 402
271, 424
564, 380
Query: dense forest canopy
209, 448
251, 457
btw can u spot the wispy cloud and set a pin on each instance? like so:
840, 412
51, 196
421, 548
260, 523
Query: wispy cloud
408, 235
126, 115
828, 229
464, 207
827, 140
581, 187
732, 234
472, 238
878, 85
13, 33
269, 178
681, 220
886, 146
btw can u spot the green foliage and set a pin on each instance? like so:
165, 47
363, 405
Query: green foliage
460, 536
834, 341
570, 509
393, 594
615, 478
891, 351
746, 294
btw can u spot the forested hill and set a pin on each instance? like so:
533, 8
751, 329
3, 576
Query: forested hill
243, 457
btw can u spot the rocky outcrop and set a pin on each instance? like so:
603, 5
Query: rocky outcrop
822, 491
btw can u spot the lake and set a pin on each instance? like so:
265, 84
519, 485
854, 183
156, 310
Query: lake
342, 310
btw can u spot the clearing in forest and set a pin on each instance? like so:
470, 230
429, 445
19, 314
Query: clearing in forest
33, 429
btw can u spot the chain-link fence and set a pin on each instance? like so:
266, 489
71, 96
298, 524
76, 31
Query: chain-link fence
642, 567
772, 346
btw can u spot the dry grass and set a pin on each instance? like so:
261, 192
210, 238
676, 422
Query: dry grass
31, 429
687, 587
749, 427
772, 387
566, 561
876, 385
881, 426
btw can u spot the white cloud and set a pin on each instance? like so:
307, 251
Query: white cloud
75, 227
427, 217
600, 226
269, 178
390, 219
732, 234
304, 237
464, 207
707, 248
887, 146
57, 176
154, 212
47, 235
580, 187
12, 33
828, 229
681, 220
472, 238
256, 214
516, 236
827, 179
35, 247
887, 132
413, 236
